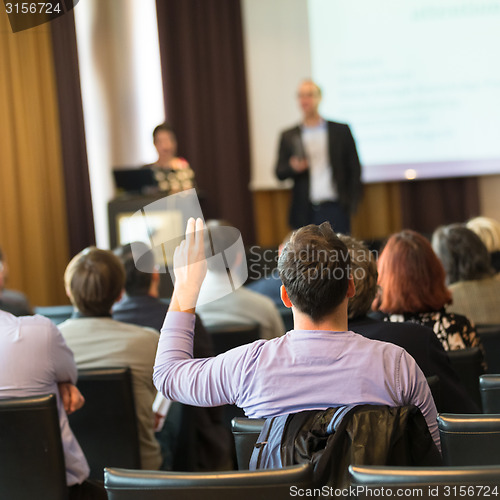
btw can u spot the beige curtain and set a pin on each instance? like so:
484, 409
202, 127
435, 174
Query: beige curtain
379, 214
33, 231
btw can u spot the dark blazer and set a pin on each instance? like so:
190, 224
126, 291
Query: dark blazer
426, 349
346, 170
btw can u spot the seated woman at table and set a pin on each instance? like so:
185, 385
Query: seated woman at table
172, 173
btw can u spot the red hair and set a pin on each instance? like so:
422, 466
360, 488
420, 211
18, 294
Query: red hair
411, 276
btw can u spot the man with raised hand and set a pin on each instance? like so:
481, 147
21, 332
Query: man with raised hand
318, 365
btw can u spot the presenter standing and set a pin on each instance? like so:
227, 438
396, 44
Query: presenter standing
321, 157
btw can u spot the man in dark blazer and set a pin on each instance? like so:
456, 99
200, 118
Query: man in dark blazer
419, 341
321, 157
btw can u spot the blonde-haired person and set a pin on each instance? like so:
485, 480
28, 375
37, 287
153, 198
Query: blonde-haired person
488, 230
94, 281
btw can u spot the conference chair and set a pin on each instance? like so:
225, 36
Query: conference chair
245, 432
490, 337
228, 336
275, 484
425, 482
470, 439
435, 387
490, 393
31, 453
106, 426
57, 314
468, 365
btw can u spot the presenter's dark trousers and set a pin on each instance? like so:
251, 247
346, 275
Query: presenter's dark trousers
332, 212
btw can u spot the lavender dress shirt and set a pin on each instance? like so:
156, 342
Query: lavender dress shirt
33, 359
303, 370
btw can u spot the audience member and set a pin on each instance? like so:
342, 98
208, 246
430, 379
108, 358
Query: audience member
34, 360
208, 440
270, 285
489, 231
469, 274
240, 306
419, 341
172, 173
11, 300
94, 281
317, 365
412, 288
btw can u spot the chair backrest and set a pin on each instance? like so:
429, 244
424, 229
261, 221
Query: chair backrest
490, 393
272, 484
245, 432
425, 482
106, 426
468, 365
470, 439
490, 337
227, 336
31, 453
435, 387
57, 314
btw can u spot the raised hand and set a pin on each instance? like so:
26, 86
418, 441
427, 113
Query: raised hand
190, 267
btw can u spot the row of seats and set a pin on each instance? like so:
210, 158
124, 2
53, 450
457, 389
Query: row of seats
465, 439
30, 437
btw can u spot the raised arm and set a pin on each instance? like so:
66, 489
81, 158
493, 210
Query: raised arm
179, 377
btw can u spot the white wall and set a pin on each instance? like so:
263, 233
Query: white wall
277, 57
122, 92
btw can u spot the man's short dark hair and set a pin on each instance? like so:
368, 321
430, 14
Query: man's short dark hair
95, 280
314, 267
463, 254
163, 127
137, 282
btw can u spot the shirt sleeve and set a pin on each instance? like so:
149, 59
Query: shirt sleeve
197, 382
416, 391
62, 356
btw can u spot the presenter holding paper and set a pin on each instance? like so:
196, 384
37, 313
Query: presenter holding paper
321, 157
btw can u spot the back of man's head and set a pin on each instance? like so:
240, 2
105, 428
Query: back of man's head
364, 274
137, 282
94, 280
314, 267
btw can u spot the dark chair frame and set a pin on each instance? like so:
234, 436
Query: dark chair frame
245, 432
469, 439
228, 336
124, 484
489, 386
425, 478
468, 365
106, 426
31, 452
490, 338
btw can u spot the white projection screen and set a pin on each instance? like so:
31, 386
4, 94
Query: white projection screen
417, 80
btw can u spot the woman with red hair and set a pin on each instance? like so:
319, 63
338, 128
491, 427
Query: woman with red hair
412, 288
